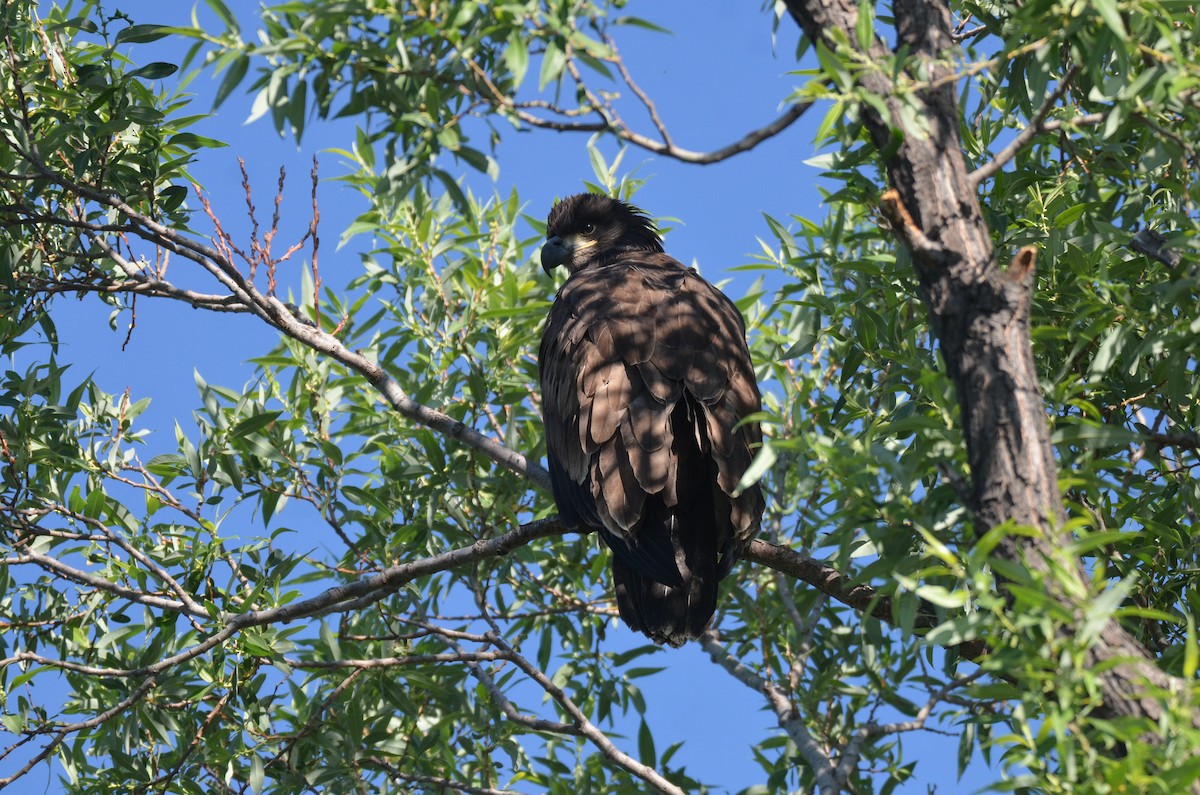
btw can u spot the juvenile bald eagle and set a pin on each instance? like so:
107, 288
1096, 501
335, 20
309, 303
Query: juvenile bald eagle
645, 374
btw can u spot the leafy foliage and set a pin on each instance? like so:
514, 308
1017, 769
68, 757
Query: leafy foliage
440, 632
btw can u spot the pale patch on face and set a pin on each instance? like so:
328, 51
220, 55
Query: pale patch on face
576, 244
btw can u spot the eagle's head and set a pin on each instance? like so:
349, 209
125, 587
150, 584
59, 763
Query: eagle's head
588, 229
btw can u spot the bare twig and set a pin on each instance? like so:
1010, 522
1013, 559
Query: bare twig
586, 727
664, 147
439, 783
1023, 138
61, 732
853, 749
786, 714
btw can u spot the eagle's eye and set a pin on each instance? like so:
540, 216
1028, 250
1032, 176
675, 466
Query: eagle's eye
588, 229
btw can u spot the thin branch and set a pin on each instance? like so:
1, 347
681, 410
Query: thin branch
648, 103
837, 585
665, 148
397, 662
710, 641
148, 285
368, 590
152, 566
316, 719
585, 726
1086, 120
743, 144
814, 754
55, 566
502, 701
213, 303
853, 749
62, 732
438, 782
209, 719
1153, 245
1023, 138
337, 599
801, 624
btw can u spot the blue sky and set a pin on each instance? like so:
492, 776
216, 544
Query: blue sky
718, 76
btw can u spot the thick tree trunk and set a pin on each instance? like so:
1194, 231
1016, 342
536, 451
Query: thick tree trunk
980, 315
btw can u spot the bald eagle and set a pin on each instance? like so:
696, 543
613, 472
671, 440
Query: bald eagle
645, 377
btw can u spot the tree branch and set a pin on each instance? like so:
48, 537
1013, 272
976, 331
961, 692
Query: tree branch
63, 731
1154, 245
243, 293
664, 147
1023, 138
848, 759
503, 702
585, 726
814, 754
837, 585
439, 783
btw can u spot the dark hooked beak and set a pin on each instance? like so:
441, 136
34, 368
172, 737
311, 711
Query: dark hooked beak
554, 253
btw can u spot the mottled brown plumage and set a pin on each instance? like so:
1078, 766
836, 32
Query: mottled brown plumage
645, 374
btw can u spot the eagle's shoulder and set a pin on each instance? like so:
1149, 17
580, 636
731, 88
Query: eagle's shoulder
675, 329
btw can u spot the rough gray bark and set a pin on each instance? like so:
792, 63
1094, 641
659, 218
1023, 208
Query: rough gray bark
980, 315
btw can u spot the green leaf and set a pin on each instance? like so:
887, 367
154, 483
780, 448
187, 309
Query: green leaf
258, 774
516, 56
1073, 430
191, 141
865, 25
1191, 650
553, 62
227, 17
638, 22
140, 34
942, 596
763, 461
803, 346
155, 71
1110, 348
1111, 15
253, 424
233, 78
646, 745
1101, 609
959, 630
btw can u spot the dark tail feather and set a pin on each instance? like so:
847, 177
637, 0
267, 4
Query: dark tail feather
665, 613
687, 536
676, 612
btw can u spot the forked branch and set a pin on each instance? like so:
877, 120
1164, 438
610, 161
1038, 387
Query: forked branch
608, 120
1024, 137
